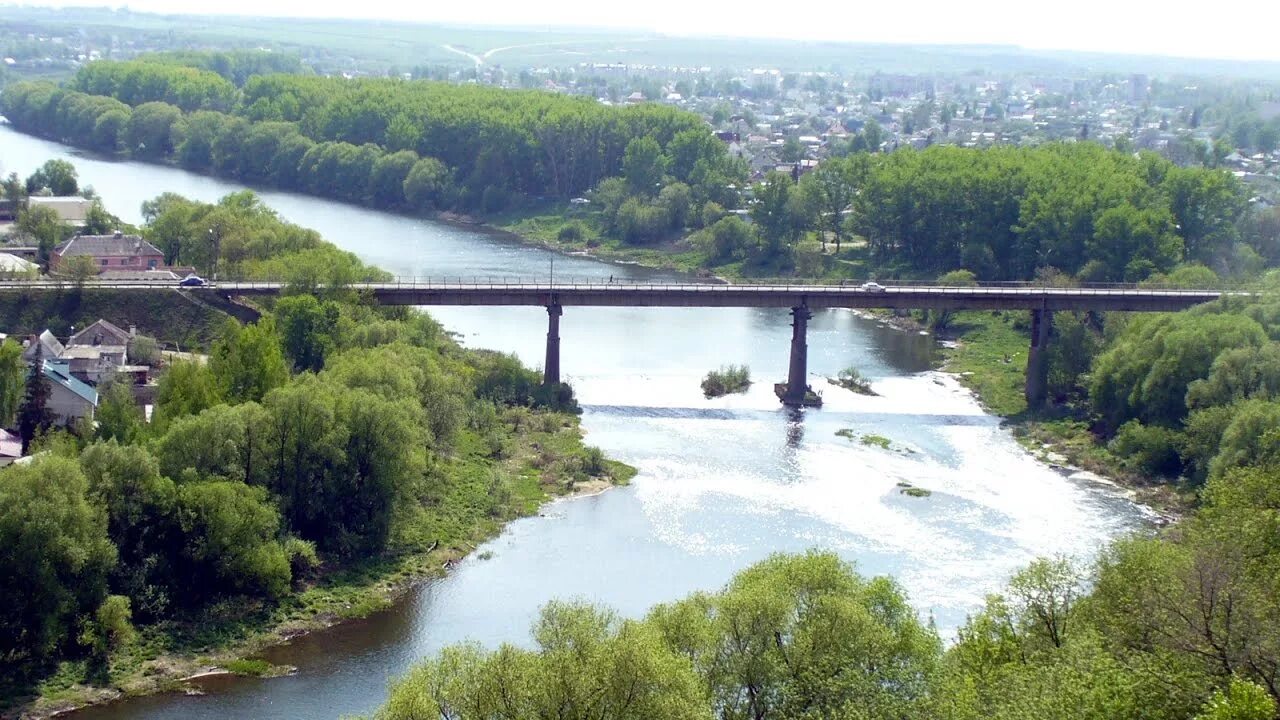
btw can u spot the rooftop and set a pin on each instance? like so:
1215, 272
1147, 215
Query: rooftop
106, 245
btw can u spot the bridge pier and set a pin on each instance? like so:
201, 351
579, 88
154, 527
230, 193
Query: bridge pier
1037, 387
798, 372
551, 367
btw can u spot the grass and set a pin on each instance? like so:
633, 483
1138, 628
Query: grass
915, 492
728, 379
879, 441
991, 358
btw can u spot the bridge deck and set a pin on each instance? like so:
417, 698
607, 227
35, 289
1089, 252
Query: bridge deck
601, 294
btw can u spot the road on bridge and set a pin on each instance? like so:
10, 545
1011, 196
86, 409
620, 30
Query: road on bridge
573, 293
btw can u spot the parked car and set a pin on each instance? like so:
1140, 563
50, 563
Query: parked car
191, 281
874, 287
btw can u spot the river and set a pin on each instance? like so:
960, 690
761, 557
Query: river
722, 483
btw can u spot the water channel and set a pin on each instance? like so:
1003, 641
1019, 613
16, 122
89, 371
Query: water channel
722, 483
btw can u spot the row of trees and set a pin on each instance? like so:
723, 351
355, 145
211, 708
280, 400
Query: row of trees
478, 146
1004, 213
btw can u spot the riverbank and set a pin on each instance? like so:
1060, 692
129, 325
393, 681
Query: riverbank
225, 639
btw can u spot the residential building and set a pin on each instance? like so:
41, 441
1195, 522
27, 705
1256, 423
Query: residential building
117, 251
70, 398
49, 346
14, 266
73, 211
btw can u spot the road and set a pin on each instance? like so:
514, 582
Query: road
571, 292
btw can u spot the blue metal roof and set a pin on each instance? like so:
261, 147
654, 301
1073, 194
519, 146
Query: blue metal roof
60, 373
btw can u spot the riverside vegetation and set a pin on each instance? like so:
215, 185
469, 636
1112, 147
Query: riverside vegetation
320, 461
726, 380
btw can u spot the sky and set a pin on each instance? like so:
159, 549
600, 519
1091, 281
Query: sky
1230, 29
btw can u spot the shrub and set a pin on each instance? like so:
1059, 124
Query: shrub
1148, 448
728, 379
571, 233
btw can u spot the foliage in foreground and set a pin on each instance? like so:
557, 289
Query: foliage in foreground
1169, 628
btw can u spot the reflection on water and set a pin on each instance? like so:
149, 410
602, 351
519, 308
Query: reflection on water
722, 482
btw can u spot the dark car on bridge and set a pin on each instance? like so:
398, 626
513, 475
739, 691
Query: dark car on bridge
191, 281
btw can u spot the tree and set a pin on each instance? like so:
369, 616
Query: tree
59, 176
230, 543
43, 225
54, 546
771, 211
427, 186
140, 505
34, 416
792, 151
307, 329
643, 165
248, 361
13, 374
119, 416
186, 388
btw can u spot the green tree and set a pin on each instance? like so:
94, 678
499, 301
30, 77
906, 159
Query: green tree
427, 186
59, 176
230, 543
13, 376
186, 388
54, 546
43, 225
772, 211
643, 165
247, 361
34, 416
119, 416
140, 505
307, 327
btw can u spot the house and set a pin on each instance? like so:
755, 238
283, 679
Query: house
116, 251
10, 447
48, 344
102, 332
70, 399
14, 266
73, 211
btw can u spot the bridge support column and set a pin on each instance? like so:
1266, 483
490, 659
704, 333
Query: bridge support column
551, 367
798, 372
1037, 363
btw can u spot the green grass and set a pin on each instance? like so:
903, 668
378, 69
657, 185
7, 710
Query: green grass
249, 667
991, 358
916, 492
879, 441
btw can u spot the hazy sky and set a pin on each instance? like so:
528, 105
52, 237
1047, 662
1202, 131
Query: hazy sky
1236, 29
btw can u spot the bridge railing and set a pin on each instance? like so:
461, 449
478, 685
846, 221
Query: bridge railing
790, 285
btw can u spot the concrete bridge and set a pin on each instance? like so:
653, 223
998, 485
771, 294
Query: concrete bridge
800, 298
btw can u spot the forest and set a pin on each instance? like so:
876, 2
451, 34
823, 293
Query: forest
393, 144
313, 454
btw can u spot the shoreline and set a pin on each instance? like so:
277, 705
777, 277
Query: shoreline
182, 672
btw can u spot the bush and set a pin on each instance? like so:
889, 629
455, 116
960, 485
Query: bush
728, 379
850, 379
571, 233
1148, 449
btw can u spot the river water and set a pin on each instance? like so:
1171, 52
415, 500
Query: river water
722, 483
